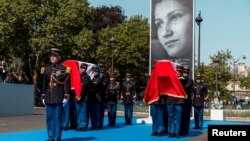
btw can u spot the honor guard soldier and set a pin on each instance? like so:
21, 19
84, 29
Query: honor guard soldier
95, 100
3, 72
112, 94
200, 94
128, 95
175, 109
188, 85
55, 93
104, 75
82, 113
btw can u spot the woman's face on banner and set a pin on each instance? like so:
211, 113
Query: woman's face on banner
174, 27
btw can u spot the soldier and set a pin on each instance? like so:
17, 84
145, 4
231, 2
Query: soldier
128, 95
81, 104
157, 114
55, 93
112, 95
95, 100
3, 72
175, 109
188, 85
200, 94
104, 75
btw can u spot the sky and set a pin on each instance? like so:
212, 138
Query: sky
225, 25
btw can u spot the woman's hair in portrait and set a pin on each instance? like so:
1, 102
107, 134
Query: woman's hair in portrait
186, 3
172, 25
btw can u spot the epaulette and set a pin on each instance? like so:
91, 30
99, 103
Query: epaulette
68, 70
42, 70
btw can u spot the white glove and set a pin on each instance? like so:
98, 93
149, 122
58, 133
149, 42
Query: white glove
65, 101
43, 101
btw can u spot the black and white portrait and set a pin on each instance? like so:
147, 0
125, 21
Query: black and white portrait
172, 31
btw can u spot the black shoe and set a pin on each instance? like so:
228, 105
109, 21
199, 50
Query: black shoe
81, 129
78, 128
171, 135
183, 134
154, 134
177, 135
64, 128
160, 134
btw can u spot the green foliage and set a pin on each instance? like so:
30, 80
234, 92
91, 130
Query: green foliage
245, 81
224, 75
131, 50
29, 28
104, 16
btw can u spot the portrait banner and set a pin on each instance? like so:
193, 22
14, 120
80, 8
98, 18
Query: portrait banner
172, 32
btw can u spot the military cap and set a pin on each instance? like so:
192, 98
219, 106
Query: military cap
179, 67
112, 75
198, 77
94, 69
55, 51
128, 75
186, 68
83, 65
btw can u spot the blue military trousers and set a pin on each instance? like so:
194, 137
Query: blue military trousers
198, 116
65, 115
128, 108
82, 115
112, 108
156, 112
174, 118
54, 121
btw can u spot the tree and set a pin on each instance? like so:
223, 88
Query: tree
31, 27
131, 51
224, 75
104, 16
245, 81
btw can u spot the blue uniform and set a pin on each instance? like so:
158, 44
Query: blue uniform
129, 97
200, 92
82, 113
112, 95
185, 124
56, 83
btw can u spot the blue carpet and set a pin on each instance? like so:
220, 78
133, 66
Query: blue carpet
133, 132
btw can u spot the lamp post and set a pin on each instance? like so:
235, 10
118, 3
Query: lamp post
112, 41
234, 70
198, 20
216, 62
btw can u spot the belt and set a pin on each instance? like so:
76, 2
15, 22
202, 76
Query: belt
197, 95
54, 84
127, 93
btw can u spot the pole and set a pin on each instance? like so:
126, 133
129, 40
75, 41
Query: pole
112, 67
199, 48
234, 71
198, 21
216, 80
112, 44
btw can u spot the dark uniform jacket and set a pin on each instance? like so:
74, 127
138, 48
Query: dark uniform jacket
188, 87
128, 92
85, 79
104, 84
112, 92
2, 74
56, 83
200, 92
